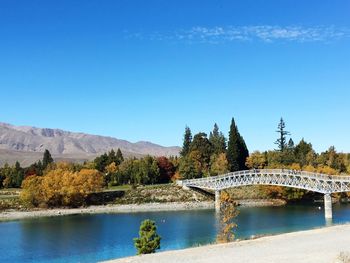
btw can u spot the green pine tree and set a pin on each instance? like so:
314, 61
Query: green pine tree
233, 147
244, 153
47, 159
187, 142
237, 151
148, 241
119, 156
218, 140
188, 169
281, 142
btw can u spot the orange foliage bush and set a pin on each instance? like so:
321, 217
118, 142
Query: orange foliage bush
61, 187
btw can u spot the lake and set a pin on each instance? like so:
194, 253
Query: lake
91, 238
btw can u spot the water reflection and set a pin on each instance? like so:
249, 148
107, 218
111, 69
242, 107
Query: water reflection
91, 238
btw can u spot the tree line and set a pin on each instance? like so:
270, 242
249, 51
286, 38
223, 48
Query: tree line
201, 156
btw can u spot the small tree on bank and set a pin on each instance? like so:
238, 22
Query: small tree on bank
228, 212
148, 241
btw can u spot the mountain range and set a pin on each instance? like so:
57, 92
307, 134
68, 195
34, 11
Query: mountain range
26, 144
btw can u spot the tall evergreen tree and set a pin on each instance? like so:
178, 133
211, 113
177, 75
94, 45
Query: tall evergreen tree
119, 156
244, 153
112, 158
218, 140
281, 142
237, 151
101, 162
47, 159
233, 147
187, 142
291, 144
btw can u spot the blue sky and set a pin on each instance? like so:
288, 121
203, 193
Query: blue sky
143, 70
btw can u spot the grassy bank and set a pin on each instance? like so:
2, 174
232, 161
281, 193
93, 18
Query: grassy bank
9, 199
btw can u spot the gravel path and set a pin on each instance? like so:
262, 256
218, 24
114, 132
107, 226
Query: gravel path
320, 245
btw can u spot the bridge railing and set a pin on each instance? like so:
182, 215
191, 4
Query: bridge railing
288, 172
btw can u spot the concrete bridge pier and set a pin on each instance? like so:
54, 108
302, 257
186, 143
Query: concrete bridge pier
217, 201
328, 206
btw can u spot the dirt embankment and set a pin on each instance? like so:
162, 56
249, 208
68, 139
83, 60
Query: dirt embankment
161, 194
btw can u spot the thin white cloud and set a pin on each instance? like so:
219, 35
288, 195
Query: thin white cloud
266, 33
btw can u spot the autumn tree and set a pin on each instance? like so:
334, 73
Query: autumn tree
61, 186
148, 241
166, 169
228, 212
111, 170
186, 142
218, 164
256, 160
31, 193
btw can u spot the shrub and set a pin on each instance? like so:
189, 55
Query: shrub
61, 187
149, 240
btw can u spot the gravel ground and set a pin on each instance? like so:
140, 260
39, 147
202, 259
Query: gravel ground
15, 215
128, 208
325, 245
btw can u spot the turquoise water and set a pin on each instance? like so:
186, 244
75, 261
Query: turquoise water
91, 238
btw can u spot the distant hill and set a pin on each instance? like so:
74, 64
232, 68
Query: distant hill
26, 144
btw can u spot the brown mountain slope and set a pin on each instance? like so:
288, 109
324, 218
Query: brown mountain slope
26, 144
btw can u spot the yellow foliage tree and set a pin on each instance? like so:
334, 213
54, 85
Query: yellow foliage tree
31, 193
61, 186
325, 169
309, 168
218, 164
256, 160
111, 168
295, 166
228, 212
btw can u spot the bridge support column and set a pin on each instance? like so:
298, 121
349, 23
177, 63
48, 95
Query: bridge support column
327, 206
217, 201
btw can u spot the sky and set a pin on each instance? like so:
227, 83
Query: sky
143, 70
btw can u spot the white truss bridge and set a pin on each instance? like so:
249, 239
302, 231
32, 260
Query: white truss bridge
321, 183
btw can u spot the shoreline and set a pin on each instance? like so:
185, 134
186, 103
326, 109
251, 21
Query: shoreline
128, 208
324, 245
